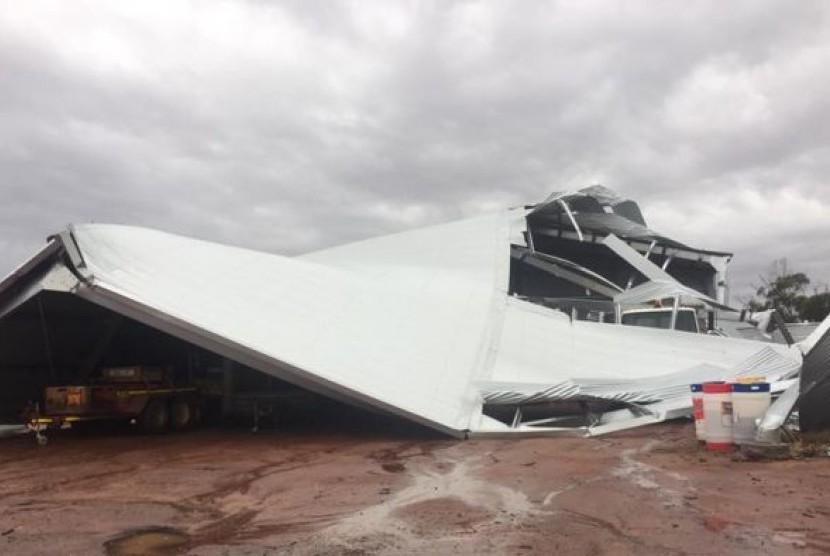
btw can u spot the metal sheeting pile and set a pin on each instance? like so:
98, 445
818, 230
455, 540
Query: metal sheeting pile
635, 375
766, 363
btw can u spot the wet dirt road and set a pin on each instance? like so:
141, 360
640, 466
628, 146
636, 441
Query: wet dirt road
227, 491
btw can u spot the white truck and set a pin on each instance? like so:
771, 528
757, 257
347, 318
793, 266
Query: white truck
660, 317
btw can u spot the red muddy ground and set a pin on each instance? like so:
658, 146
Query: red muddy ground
227, 491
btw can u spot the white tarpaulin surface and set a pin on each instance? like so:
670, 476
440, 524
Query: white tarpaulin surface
403, 321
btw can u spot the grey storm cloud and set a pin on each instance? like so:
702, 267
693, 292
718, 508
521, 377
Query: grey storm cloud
292, 126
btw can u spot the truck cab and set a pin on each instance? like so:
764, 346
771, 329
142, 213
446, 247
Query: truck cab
660, 317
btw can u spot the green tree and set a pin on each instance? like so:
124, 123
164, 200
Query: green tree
815, 307
782, 291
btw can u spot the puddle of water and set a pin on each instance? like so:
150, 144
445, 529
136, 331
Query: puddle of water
158, 541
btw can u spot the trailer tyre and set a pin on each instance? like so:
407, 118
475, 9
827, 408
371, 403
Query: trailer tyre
181, 414
196, 414
155, 417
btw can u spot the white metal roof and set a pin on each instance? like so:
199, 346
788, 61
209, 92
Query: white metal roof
418, 324
401, 322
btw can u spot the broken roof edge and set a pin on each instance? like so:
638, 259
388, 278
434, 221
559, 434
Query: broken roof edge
808, 343
606, 197
660, 283
660, 289
52, 247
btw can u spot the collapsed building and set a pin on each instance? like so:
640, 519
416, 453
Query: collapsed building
518, 322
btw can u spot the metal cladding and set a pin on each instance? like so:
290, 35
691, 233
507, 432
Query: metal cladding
501, 324
814, 402
597, 209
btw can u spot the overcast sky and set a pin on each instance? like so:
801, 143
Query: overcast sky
291, 126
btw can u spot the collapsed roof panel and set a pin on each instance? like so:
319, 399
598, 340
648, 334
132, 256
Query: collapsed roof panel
421, 324
597, 210
403, 336
533, 335
568, 224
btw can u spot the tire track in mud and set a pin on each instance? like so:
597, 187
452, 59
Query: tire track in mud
677, 500
241, 484
235, 526
393, 459
227, 525
645, 477
70, 481
637, 544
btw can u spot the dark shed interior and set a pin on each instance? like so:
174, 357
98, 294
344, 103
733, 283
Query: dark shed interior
61, 339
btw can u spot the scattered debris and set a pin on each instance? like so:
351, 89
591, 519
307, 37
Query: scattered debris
757, 451
808, 445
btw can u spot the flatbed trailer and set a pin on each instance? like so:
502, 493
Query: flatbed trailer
142, 396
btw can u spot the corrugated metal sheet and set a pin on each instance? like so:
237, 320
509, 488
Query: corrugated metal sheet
767, 363
543, 356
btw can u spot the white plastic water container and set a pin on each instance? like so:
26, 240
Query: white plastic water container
749, 403
697, 411
717, 415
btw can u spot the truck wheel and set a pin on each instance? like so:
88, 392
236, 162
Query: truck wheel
155, 416
181, 414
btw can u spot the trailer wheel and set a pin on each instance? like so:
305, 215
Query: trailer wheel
196, 414
181, 414
155, 416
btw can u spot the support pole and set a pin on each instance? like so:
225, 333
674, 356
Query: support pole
46, 341
530, 243
99, 350
227, 386
573, 220
674, 310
